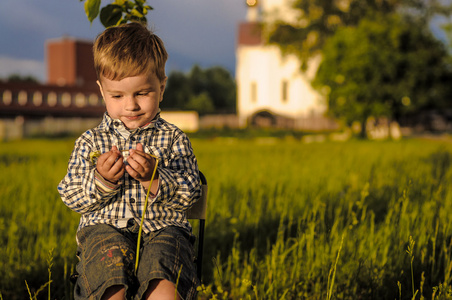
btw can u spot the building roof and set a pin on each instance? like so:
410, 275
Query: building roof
250, 34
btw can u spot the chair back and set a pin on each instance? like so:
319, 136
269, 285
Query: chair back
199, 209
198, 212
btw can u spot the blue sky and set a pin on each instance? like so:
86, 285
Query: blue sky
195, 32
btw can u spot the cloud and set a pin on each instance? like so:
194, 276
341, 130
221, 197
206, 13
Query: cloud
23, 67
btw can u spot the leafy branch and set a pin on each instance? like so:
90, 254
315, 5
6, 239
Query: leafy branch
118, 12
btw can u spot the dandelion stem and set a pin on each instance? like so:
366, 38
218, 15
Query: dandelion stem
28, 289
177, 282
144, 213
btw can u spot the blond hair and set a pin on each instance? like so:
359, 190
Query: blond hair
129, 50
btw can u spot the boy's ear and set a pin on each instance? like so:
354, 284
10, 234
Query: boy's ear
162, 87
100, 88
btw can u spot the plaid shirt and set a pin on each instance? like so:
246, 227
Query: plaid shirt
85, 192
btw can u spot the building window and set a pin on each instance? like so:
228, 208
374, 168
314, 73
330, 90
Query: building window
37, 98
93, 99
66, 99
52, 99
285, 91
253, 92
80, 100
7, 97
22, 98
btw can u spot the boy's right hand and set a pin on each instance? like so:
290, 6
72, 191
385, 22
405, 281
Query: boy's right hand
110, 165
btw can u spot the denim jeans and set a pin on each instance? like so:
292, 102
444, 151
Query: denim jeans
107, 257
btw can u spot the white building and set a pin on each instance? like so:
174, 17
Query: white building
272, 90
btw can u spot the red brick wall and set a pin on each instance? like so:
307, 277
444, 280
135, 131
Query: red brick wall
70, 62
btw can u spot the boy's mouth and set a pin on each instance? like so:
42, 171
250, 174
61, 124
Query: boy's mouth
131, 118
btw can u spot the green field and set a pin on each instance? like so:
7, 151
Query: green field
286, 220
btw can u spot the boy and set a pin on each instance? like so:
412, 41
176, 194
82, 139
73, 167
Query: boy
110, 191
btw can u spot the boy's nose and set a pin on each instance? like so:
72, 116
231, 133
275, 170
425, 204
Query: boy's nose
131, 103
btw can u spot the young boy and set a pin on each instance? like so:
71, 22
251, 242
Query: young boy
110, 172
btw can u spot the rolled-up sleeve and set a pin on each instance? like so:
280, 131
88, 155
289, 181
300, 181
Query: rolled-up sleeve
78, 189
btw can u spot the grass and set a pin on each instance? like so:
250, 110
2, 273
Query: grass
286, 220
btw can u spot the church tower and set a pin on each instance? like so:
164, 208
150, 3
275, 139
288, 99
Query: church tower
271, 89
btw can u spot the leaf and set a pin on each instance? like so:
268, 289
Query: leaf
110, 15
136, 13
92, 9
129, 4
146, 8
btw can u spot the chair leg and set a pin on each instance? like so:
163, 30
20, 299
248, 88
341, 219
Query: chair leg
200, 248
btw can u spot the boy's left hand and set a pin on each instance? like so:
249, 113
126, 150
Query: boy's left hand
141, 165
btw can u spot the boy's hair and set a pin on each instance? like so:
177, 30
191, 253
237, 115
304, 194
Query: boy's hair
129, 50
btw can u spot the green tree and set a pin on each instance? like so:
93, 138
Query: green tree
204, 90
385, 66
448, 30
219, 85
318, 20
118, 12
20, 78
202, 103
177, 92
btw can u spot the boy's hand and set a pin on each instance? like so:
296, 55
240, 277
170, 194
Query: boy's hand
110, 165
141, 165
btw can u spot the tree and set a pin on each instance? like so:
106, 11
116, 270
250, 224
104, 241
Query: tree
318, 20
219, 85
118, 12
202, 103
385, 66
448, 30
203, 90
23, 79
177, 92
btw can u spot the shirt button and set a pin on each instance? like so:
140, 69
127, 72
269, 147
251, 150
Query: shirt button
132, 139
116, 123
92, 195
130, 222
132, 200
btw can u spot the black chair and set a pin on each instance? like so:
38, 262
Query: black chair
198, 212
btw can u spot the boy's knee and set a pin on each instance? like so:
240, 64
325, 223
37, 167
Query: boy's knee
161, 289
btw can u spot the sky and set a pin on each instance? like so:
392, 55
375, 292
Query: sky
199, 32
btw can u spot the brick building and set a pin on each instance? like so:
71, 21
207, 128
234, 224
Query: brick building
70, 62
69, 101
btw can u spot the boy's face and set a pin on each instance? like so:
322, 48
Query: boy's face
133, 100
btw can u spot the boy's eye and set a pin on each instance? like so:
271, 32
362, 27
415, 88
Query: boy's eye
116, 96
142, 93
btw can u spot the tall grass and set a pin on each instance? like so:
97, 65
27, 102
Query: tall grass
284, 208
32, 219
286, 220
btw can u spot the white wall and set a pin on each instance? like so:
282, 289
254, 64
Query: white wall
265, 67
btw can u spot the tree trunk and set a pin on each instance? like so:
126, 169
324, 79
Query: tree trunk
363, 133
